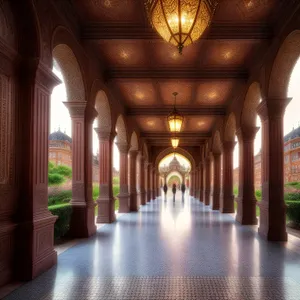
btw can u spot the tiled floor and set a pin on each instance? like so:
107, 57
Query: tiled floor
167, 250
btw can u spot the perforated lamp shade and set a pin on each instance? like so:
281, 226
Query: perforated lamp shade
175, 121
180, 22
175, 142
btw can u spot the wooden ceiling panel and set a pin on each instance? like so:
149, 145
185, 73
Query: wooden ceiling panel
138, 93
199, 124
110, 10
213, 92
123, 53
183, 88
151, 124
165, 54
228, 53
245, 10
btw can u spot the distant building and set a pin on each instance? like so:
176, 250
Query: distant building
291, 160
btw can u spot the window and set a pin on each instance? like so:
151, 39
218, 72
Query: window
295, 156
286, 158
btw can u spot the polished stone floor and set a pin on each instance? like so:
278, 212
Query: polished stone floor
167, 250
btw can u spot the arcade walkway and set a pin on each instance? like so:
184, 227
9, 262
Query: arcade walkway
171, 251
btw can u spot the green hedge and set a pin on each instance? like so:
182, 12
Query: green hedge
293, 211
292, 197
62, 224
62, 197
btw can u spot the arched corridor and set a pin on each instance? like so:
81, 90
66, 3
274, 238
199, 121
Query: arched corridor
167, 250
195, 102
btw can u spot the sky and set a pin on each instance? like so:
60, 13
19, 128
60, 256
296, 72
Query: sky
60, 117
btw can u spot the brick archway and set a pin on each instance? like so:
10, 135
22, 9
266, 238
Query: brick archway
134, 143
284, 63
121, 130
230, 128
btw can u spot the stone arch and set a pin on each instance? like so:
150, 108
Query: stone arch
68, 64
121, 130
284, 63
7, 25
179, 150
252, 99
134, 142
217, 145
230, 128
104, 112
174, 173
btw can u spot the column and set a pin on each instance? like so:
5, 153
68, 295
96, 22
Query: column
207, 180
197, 192
146, 181
132, 180
192, 183
142, 192
157, 184
153, 184
34, 251
227, 197
106, 200
246, 209
217, 181
201, 170
124, 191
272, 223
149, 177
82, 223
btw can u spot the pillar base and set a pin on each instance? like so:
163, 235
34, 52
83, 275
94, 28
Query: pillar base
142, 198
271, 227
82, 224
133, 202
36, 253
246, 211
207, 198
106, 210
227, 206
124, 203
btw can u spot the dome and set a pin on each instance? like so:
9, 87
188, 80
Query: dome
292, 135
59, 136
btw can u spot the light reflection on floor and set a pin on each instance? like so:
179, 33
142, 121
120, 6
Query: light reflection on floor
171, 250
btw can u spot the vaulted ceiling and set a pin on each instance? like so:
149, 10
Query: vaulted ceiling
144, 70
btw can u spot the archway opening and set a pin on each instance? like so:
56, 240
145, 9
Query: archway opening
60, 155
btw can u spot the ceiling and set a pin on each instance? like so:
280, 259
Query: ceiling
144, 71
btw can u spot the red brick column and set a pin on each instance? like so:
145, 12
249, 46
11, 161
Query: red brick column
82, 222
192, 183
217, 181
142, 192
124, 192
34, 252
227, 197
196, 183
272, 223
106, 200
157, 184
246, 209
207, 180
201, 173
153, 184
150, 184
132, 180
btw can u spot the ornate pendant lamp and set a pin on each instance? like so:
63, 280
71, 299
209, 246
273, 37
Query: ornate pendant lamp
180, 22
175, 142
175, 120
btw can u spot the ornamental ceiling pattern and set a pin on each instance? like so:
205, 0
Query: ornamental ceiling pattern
144, 71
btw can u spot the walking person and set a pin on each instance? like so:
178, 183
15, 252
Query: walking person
174, 191
165, 191
183, 190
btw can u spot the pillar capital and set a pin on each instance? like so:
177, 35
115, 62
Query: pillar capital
246, 133
216, 155
105, 135
272, 108
133, 153
123, 147
228, 146
76, 108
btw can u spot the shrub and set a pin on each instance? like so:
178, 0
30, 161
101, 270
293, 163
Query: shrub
62, 224
292, 196
116, 180
258, 194
62, 170
55, 179
60, 198
235, 191
293, 211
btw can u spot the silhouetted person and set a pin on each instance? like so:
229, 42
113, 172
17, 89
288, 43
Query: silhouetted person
174, 191
183, 190
165, 190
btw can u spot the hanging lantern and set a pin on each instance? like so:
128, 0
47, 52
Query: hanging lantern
180, 22
175, 120
175, 142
